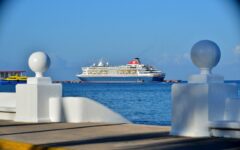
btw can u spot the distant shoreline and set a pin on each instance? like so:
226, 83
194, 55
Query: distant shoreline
78, 81
165, 81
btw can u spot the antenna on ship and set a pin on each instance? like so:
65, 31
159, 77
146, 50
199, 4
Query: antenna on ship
102, 63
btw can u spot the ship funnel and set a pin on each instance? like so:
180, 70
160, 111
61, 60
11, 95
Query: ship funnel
138, 59
135, 61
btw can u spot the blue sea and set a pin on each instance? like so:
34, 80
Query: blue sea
141, 103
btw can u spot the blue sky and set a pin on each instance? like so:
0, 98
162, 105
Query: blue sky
76, 33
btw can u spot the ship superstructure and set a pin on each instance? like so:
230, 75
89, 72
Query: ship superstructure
134, 71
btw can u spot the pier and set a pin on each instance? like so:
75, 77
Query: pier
103, 136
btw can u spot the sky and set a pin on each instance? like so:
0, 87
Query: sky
77, 33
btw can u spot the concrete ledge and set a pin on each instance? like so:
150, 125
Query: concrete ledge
227, 129
225, 133
8, 109
7, 115
14, 145
81, 109
225, 125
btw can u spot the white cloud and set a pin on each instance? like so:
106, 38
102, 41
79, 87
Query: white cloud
177, 58
237, 49
182, 58
187, 56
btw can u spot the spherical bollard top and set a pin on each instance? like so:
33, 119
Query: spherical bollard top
39, 62
205, 55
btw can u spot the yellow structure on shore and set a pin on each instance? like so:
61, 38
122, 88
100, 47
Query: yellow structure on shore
17, 76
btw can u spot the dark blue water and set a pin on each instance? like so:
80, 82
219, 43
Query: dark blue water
148, 103
140, 103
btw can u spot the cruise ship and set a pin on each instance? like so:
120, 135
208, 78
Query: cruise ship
134, 71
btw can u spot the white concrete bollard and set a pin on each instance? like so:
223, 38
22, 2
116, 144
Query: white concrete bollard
33, 97
202, 99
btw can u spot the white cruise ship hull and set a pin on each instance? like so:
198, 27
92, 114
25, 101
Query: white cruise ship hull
120, 79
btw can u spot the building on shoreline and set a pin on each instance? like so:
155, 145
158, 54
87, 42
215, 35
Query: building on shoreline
7, 73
